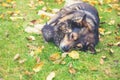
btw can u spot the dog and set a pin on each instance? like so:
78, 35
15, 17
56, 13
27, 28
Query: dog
74, 27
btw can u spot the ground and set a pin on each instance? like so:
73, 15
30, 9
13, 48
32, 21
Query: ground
16, 15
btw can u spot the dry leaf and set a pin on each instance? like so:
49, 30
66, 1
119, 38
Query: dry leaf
101, 61
38, 67
16, 18
74, 55
16, 57
32, 30
111, 22
31, 38
51, 76
8, 1
44, 14
22, 61
117, 44
28, 73
64, 55
5, 4
37, 59
111, 51
117, 37
2, 16
39, 49
71, 69
108, 33
102, 31
103, 57
93, 68
55, 56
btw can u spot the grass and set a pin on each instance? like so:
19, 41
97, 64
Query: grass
13, 40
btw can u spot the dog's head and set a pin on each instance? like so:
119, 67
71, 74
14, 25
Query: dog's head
73, 32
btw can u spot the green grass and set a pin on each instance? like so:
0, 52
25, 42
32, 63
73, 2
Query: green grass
13, 40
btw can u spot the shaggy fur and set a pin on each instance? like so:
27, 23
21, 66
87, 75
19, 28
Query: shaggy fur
74, 26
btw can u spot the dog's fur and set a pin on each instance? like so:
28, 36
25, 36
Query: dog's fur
74, 26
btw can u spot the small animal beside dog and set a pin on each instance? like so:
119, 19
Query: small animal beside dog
74, 27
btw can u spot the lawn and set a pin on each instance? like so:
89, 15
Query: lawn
34, 60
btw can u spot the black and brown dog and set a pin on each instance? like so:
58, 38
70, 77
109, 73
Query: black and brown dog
74, 26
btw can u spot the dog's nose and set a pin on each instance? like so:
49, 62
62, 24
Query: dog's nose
65, 48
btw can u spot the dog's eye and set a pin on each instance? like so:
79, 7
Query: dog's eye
73, 36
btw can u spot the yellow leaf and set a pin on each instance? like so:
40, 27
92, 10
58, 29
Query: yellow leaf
74, 55
55, 56
51, 76
39, 49
102, 31
108, 10
111, 22
2, 16
38, 67
16, 57
5, 4
71, 69
8, 1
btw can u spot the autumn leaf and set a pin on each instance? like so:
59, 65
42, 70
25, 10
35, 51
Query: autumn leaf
101, 61
111, 22
16, 57
51, 76
31, 38
117, 37
102, 31
9, 1
71, 69
5, 4
16, 18
38, 67
74, 55
22, 61
55, 56
39, 49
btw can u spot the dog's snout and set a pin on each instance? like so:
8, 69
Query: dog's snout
65, 48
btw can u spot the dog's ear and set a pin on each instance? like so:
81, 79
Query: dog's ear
80, 22
84, 23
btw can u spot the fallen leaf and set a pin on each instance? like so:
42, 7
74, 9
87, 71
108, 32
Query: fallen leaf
93, 68
16, 18
117, 44
16, 57
103, 57
55, 56
31, 38
117, 37
22, 61
107, 71
101, 61
8, 1
51, 76
32, 30
108, 33
74, 55
2, 16
37, 59
39, 49
102, 31
111, 22
71, 69
38, 67
28, 73
111, 51
110, 44
5, 5
64, 55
